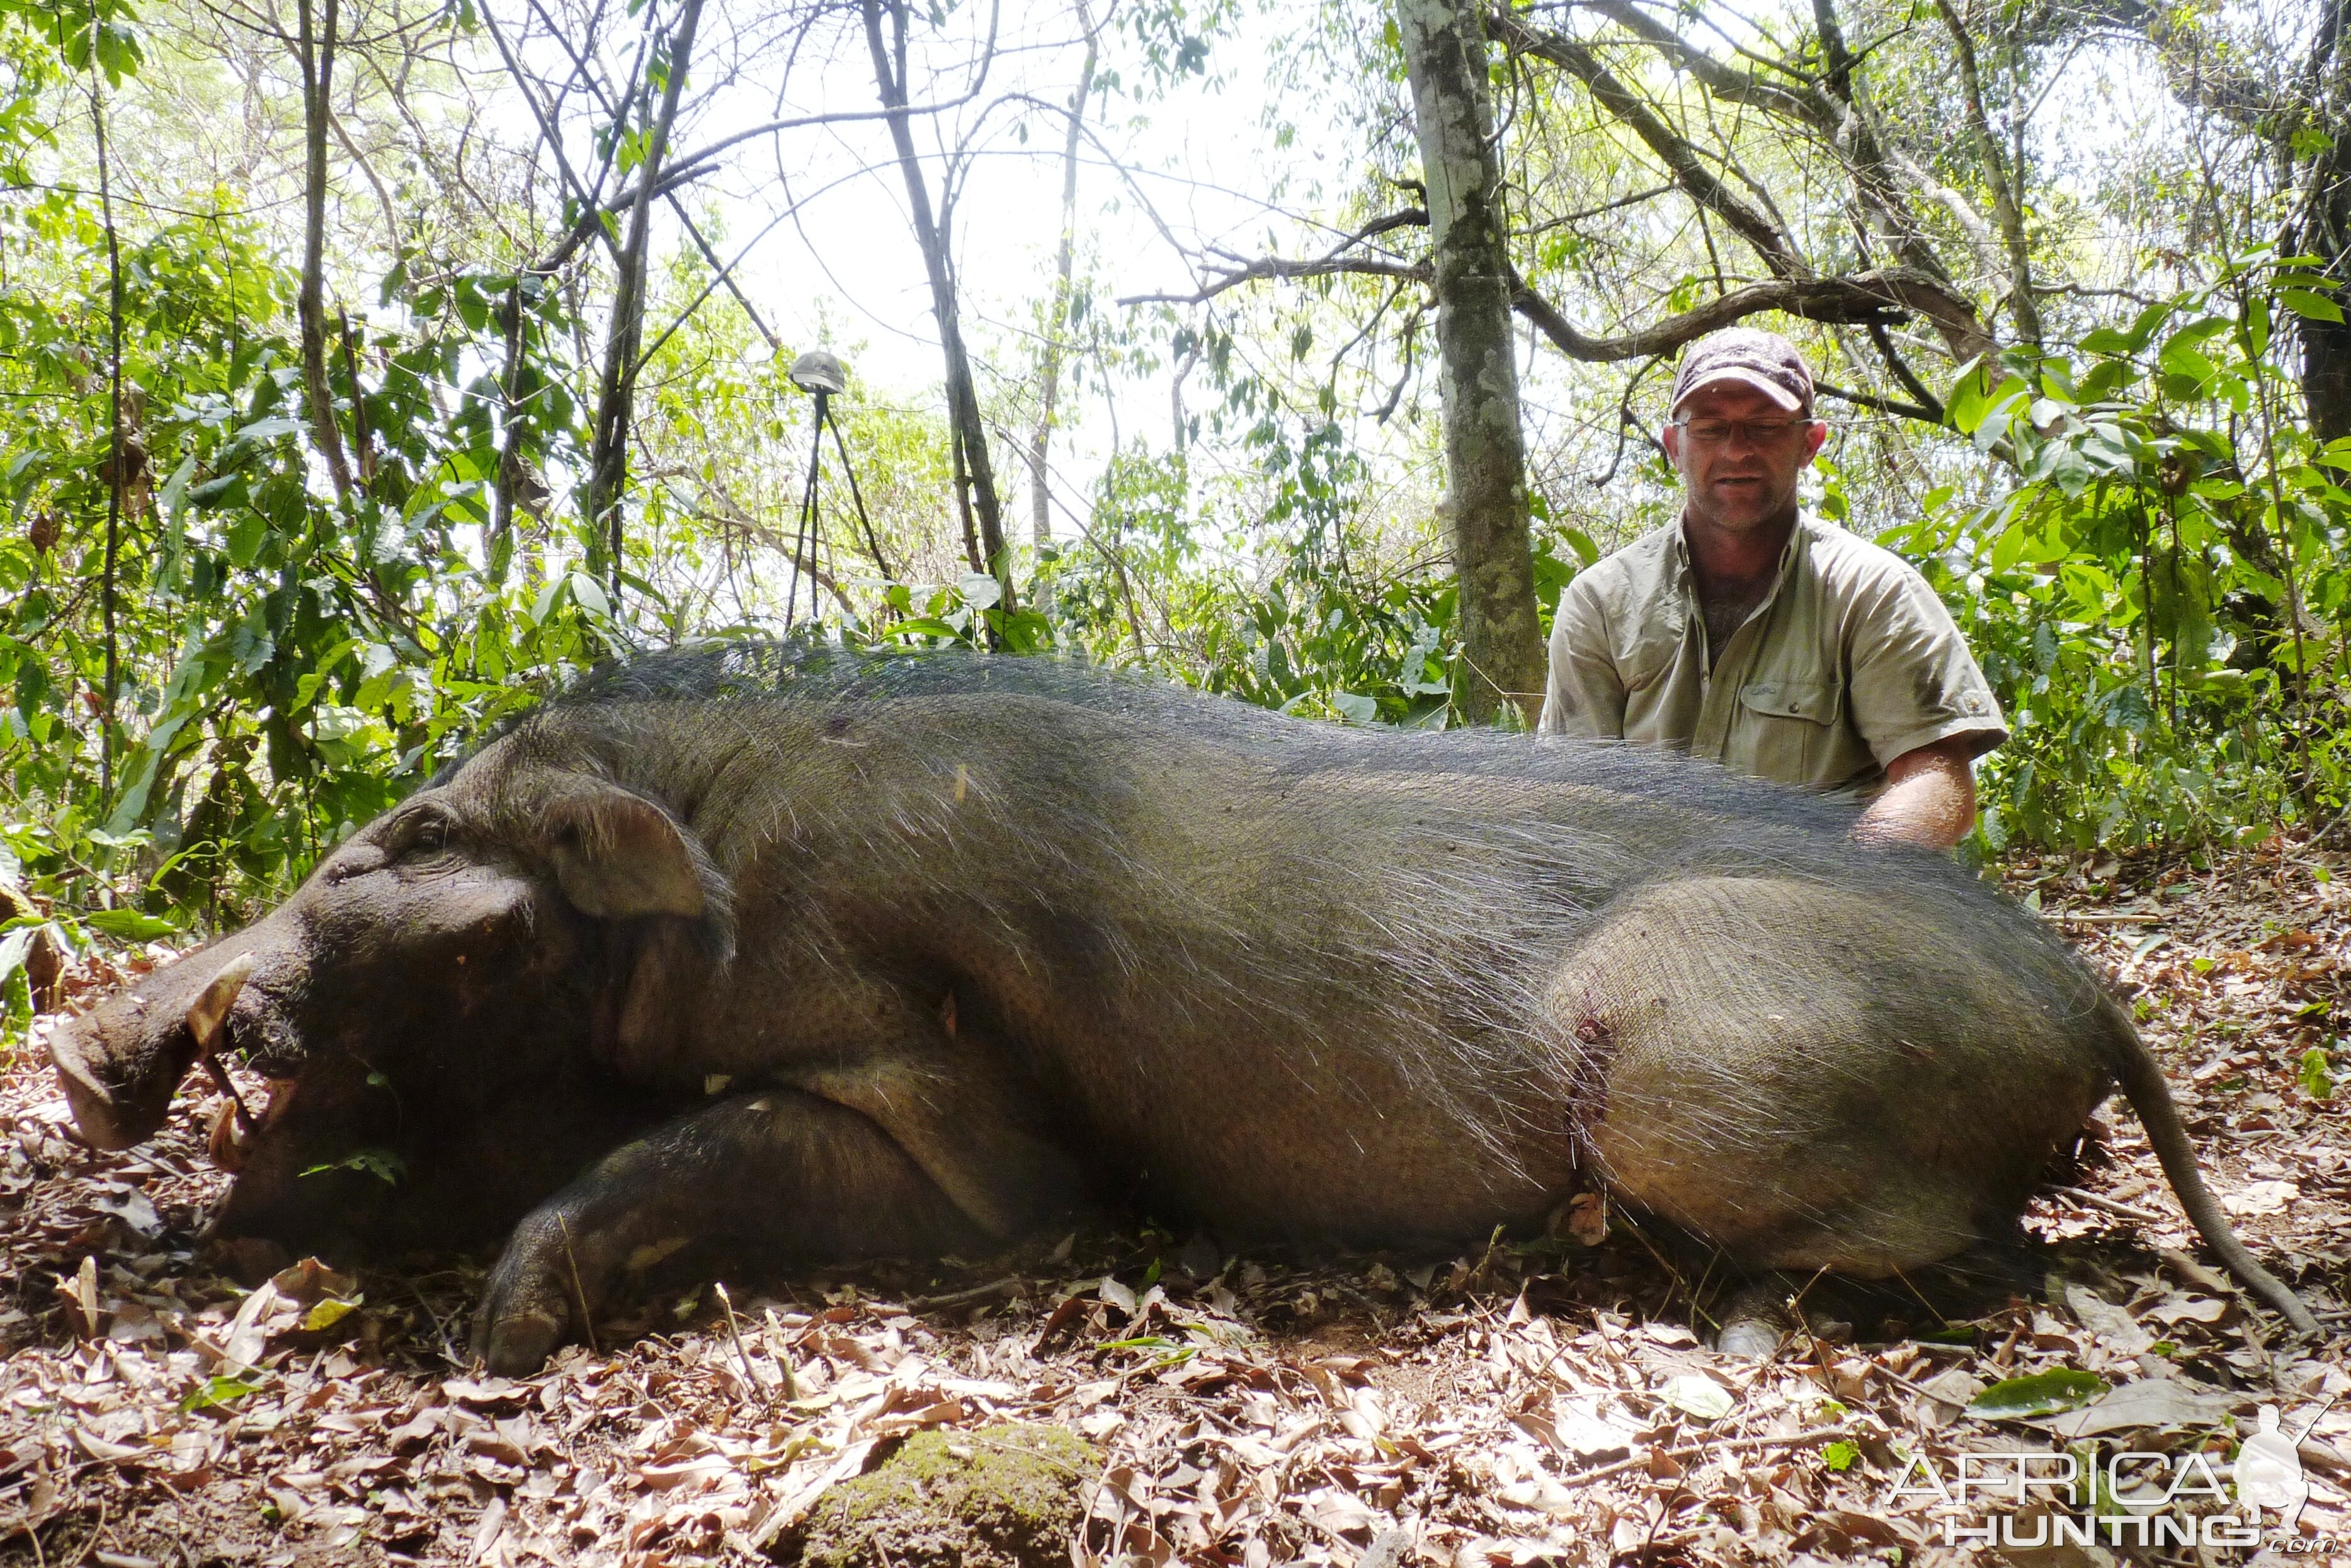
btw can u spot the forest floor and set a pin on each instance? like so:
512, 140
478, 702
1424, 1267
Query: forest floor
1522, 1404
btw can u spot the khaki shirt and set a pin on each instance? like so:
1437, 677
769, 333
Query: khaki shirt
1849, 662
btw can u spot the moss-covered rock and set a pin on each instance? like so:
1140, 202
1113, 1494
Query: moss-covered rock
1009, 1495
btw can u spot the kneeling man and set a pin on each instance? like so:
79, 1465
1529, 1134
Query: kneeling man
1754, 634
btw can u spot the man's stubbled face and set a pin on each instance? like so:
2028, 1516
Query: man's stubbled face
1739, 485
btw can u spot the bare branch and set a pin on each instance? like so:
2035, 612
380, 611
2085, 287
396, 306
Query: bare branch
1819, 105
554, 140
1870, 298
1055, 347
315, 53
1274, 267
592, 222
1882, 404
1690, 170
973, 471
2004, 204
841, 117
608, 465
1884, 340
723, 271
1724, 82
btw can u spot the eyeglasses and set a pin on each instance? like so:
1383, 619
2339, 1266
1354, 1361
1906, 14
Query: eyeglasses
1758, 432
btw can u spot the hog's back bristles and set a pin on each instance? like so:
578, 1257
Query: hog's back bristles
1345, 896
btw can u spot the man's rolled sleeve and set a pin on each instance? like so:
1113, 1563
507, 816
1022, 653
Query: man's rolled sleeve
1913, 681
1584, 696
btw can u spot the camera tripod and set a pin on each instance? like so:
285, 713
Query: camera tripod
821, 375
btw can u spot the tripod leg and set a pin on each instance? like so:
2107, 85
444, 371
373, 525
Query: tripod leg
872, 542
803, 545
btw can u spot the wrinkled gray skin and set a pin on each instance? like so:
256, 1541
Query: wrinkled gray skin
785, 956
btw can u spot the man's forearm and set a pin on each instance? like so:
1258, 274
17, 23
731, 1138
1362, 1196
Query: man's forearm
1930, 800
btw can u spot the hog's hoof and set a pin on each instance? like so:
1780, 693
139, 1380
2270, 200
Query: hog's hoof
518, 1344
1756, 1321
1009, 1496
1750, 1340
547, 1282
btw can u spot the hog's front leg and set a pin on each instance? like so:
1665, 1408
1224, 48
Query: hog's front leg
776, 1175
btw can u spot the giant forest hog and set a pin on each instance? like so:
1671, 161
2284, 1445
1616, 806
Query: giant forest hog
783, 955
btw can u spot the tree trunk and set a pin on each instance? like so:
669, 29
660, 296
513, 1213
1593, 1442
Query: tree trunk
2006, 190
508, 484
975, 474
316, 44
607, 456
1485, 450
118, 476
2323, 229
1056, 322
2326, 377
363, 438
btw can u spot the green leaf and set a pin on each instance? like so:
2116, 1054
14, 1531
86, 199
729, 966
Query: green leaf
2195, 331
327, 1312
1839, 1456
922, 626
216, 1391
2310, 306
2143, 327
13, 948
2042, 1394
2185, 361
129, 925
213, 492
269, 428
589, 594
2316, 1079
246, 537
382, 1163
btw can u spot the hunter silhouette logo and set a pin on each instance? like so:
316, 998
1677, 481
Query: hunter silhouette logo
2268, 1472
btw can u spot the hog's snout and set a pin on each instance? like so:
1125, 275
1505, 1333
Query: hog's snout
115, 1108
120, 1065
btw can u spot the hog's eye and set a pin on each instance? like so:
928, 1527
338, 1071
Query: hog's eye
422, 837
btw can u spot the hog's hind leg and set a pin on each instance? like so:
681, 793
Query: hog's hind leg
771, 1176
1791, 1073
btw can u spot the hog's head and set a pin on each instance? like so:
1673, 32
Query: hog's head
452, 988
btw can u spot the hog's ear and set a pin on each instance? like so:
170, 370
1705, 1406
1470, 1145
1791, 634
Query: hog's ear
618, 855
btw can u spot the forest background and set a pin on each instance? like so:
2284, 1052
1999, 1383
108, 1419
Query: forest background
370, 367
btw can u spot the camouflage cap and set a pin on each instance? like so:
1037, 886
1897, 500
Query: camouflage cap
1765, 361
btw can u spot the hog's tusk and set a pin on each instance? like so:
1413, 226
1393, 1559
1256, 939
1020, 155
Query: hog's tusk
210, 1009
206, 1014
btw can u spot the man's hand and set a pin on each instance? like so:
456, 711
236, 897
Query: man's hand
1929, 799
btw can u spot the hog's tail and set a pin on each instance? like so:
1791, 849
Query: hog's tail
2143, 1083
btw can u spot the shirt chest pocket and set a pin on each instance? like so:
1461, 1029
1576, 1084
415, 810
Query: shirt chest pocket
1787, 728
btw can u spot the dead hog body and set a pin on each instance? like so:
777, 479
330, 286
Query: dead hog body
800, 955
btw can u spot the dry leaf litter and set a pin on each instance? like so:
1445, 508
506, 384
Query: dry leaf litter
1531, 1402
